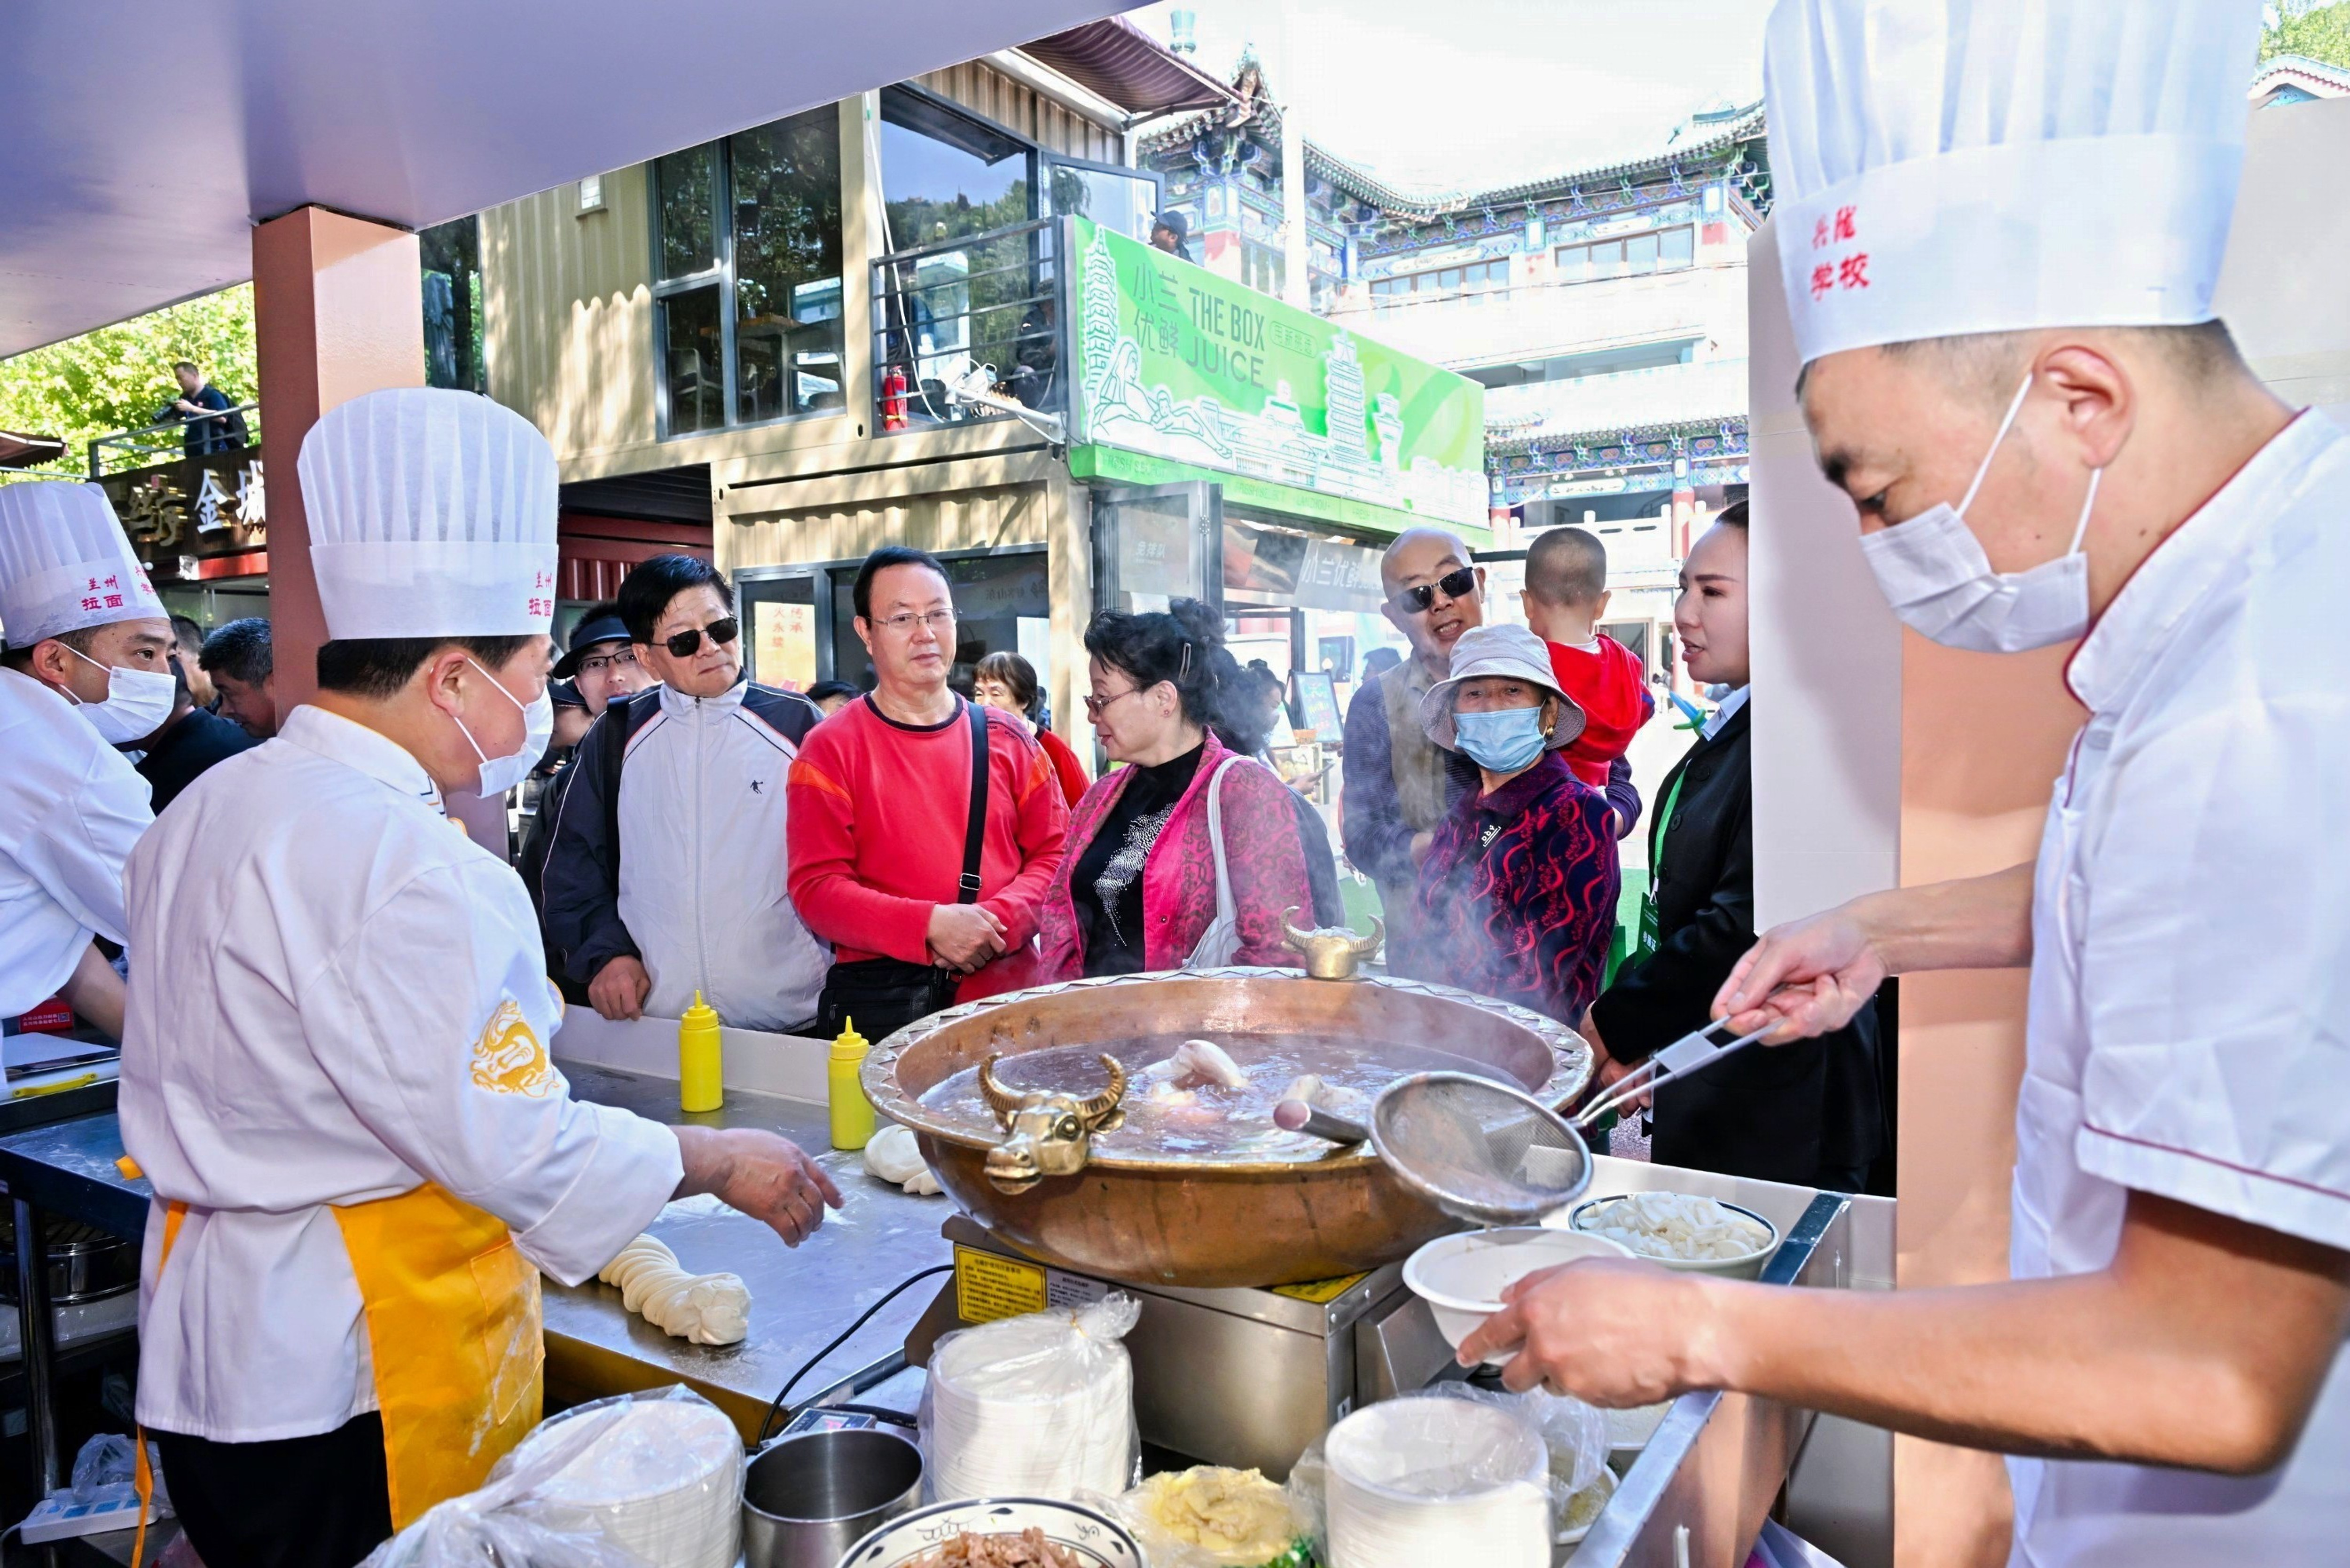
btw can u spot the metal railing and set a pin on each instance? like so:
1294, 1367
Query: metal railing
168, 441
943, 311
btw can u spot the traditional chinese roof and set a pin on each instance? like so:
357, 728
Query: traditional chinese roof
1707, 135
2314, 77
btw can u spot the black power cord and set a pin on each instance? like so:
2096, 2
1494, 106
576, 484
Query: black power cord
810, 1364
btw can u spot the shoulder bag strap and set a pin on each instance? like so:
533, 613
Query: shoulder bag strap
1227, 907
974, 832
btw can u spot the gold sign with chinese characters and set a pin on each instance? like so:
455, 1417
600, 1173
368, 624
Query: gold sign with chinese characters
181, 513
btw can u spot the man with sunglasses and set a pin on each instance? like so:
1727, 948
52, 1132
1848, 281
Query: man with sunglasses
667, 874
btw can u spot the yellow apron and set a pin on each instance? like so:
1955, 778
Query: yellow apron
454, 1331
453, 1328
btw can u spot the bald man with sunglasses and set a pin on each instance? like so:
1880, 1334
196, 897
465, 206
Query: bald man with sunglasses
667, 876
1399, 783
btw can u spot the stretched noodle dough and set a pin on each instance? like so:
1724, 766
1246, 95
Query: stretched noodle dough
708, 1308
892, 1155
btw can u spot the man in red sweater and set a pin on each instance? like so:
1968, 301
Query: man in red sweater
1566, 594
878, 802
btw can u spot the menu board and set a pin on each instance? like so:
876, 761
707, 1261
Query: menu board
1317, 704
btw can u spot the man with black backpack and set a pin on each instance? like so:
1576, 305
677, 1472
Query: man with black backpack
667, 873
923, 835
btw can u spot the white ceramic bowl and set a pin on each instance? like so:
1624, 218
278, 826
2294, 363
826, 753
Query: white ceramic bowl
1628, 1432
1572, 1534
1419, 1483
1095, 1541
1461, 1277
1745, 1266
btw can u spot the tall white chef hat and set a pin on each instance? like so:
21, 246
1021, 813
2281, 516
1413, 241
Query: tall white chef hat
65, 563
431, 514
1953, 166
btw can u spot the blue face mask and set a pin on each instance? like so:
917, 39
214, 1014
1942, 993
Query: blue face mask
1502, 742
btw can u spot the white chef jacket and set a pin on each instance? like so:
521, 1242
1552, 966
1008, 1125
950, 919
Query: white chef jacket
2190, 1027
326, 1012
70, 809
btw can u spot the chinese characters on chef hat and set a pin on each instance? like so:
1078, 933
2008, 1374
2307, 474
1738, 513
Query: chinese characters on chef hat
1944, 167
65, 563
432, 513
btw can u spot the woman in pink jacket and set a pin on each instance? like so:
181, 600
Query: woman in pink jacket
1136, 888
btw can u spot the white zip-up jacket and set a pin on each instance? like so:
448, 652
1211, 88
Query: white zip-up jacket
670, 848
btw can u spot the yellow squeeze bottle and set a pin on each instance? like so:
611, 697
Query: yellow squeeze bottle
852, 1113
699, 1072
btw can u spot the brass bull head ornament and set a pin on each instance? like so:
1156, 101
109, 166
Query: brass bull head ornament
1332, 951
1052, 1134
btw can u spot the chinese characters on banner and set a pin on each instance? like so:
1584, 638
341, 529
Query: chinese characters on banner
1846, 271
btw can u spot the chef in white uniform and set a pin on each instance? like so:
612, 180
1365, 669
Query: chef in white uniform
337, 1075
86, 668
2001, 225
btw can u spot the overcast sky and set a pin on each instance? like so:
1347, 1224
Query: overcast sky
1474, 93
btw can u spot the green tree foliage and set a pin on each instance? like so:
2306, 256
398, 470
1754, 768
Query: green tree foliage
116, 378
2313, 32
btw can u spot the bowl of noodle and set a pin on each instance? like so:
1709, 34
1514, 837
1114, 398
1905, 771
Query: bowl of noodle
1682, 1230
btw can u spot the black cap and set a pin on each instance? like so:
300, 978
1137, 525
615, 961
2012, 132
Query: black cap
563, 694
1175, 224
599, 628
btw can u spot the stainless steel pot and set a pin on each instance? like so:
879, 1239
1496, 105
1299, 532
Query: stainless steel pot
808, 1498
85, 1264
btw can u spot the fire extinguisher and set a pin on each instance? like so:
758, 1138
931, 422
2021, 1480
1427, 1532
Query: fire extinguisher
893, 399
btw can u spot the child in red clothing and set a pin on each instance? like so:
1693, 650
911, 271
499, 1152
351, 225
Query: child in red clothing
1566, 594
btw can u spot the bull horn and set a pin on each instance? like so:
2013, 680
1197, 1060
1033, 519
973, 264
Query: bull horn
1295, 938
1366, 946
999, 1100
1102, 1107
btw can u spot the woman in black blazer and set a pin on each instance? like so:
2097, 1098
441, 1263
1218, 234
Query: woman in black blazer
1808, 1113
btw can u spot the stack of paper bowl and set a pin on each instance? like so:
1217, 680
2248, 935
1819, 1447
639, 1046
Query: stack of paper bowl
1008, 1418
663, 1483
1419, 1481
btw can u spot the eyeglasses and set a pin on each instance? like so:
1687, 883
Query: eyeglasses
903, 624
1094, 705
687, 643
1417, 598
597, 663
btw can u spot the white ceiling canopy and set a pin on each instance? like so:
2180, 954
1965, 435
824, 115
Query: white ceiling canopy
142, 142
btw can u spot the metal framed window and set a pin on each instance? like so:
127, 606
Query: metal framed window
746, 292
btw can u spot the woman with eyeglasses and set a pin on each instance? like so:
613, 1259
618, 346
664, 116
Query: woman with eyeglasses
1138, 885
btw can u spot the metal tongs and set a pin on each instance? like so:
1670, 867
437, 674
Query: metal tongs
1692, 1053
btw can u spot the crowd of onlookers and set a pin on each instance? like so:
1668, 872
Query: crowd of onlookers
801, 859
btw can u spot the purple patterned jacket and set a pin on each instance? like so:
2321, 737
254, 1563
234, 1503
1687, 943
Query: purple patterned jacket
1518, 893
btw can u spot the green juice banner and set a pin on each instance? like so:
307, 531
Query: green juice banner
1178, 363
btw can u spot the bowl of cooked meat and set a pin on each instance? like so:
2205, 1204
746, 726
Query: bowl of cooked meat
998, 1532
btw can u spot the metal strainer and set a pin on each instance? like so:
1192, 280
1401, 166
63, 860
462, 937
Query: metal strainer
1487, 1152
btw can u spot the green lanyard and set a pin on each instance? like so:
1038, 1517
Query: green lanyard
1650, 935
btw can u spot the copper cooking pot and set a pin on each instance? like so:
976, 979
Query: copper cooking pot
1207, 1222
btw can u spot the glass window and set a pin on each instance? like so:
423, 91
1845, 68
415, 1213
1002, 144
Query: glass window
1640, 254
785, 190
693, 341
451, 255
1126, 201
1679, 246
760, 340
684, 180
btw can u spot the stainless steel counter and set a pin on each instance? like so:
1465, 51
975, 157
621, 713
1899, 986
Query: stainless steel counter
800, 1297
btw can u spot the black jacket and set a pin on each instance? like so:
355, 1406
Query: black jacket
1803, 1113
188, 746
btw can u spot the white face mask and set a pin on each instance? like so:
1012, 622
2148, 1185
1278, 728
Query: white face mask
137, 702
499, 774
1939, 581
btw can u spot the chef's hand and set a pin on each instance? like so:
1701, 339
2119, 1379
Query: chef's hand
761, 1174
964, 936
1612, 1332
619, 987
1811, 975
